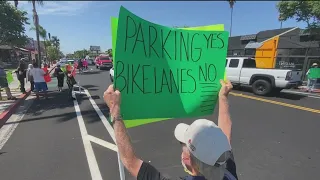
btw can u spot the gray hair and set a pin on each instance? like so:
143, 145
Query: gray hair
212, 172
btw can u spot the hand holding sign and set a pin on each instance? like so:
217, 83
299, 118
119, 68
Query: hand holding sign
226, 87
113, 99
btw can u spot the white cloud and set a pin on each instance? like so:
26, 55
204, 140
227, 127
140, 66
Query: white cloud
55, 7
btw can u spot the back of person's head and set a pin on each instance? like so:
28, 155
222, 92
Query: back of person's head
205, 148
35, 65
22, 64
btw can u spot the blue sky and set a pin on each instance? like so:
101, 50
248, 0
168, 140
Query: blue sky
81, 24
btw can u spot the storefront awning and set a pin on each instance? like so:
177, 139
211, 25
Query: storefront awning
21, 49
5, 47
253, 45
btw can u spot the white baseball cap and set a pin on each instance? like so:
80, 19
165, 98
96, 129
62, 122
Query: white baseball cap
204, 139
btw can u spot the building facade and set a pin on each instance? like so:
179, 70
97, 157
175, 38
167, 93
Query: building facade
287, 48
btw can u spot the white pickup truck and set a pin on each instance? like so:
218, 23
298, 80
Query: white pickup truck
242, 71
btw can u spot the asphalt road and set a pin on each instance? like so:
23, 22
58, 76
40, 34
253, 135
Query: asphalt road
58, 139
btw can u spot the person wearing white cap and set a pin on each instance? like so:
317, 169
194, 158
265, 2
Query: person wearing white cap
311, 82
206, 150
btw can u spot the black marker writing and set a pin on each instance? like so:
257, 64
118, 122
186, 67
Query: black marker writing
185, 44
141, 79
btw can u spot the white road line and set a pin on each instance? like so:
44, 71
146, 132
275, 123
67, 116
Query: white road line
92, 162
102, 117
102, 143
7, 129
109, 129
303, 93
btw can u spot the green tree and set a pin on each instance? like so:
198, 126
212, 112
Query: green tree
55, 42
81, 53
301, 11
53, 53
109, 51
231, 3
43, 35
12, 25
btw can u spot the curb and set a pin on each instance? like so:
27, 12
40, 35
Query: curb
4, 116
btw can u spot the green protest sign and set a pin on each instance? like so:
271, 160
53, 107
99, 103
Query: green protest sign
166, 72
114, 28
314, 73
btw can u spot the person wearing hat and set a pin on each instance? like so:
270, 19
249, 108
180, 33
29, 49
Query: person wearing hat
206, 150
311, 82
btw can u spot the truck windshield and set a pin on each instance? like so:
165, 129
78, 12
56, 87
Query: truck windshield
104, 58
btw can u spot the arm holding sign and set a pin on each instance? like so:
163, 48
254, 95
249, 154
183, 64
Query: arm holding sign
224, 120
126, 152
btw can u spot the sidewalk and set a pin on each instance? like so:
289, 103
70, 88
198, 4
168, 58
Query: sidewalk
7, 107
304, 89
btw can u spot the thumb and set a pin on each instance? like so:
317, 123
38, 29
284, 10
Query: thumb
222, 82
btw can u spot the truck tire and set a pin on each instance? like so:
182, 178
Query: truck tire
261, 87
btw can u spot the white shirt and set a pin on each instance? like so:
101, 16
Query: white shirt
38, 74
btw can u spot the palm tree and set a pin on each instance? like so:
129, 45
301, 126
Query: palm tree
43, 35
55, 42
231, 3
36, 23
109, 51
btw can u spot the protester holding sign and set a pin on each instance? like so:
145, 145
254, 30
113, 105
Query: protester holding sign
311, 80
70, 80
40, 84
206, 149
4, 82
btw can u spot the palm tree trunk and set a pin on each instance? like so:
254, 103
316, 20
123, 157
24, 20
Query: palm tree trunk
36, 23
231, 20
45, 49
280, 24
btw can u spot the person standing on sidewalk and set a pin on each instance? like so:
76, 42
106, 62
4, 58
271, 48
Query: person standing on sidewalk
60, 77
39, 82
311, 82
30, 77
4, 82
21, 75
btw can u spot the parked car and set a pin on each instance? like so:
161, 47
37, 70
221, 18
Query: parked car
242, 71
103, 61
63, 62
111, 74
